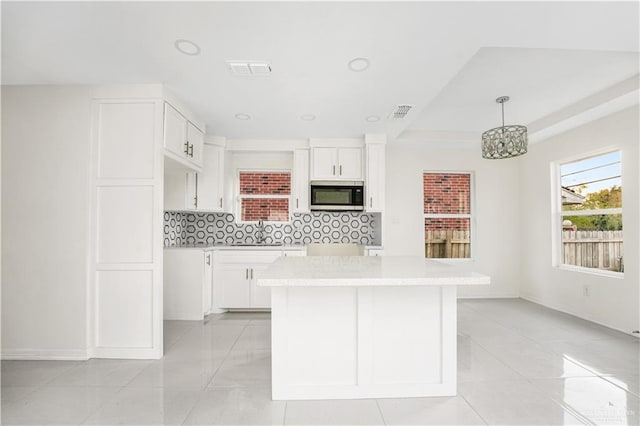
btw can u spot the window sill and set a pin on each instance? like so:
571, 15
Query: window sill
592, 271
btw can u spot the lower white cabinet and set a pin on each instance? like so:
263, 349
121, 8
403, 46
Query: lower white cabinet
188, 275
235, 275
374, 252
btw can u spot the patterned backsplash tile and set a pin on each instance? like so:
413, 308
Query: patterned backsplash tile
182, 228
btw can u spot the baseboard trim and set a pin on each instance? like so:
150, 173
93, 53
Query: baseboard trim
44, 354
566, 310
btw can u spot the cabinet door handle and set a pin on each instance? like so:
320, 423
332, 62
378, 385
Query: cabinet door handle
246, 274
220, 202
195, 199
190, 149
370, 201
340, 169
186, 148
296, 203
208, 259
251, 273
334, 170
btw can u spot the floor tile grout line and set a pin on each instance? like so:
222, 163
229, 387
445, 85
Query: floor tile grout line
284, 416
99, 407
473, 408
226, 356
384, 421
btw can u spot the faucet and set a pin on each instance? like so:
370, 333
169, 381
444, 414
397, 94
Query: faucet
260, 237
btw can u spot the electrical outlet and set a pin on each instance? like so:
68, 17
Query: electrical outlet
586, 291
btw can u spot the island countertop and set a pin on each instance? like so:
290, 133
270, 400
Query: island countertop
365, 271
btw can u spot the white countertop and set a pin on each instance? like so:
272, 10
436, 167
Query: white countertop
365, 271
234, 247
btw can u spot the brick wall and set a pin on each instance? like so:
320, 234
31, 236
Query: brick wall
447, 193
265, 183
275, 209
453, 224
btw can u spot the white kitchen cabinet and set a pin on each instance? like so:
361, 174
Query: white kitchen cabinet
235, 275
187, 283
331, 163
300, 189
211, 180
375, 178
201, 191
183, 141
374, 252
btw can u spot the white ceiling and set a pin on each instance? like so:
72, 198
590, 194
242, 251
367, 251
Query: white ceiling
450, 60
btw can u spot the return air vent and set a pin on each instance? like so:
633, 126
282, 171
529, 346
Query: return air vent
249, 69
400, 111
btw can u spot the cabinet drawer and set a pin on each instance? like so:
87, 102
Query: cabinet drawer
248, 256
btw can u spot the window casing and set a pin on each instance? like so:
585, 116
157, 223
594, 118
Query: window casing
589, 213
447, 214
264, 195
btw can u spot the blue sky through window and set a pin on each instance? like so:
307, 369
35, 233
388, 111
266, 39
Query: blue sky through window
597, 173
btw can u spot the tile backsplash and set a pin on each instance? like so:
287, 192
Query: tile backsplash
185, 228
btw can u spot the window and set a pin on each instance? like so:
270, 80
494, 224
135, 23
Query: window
591, 212
447, 215
264, 195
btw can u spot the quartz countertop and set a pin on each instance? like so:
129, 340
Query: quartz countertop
365, 271
235, 247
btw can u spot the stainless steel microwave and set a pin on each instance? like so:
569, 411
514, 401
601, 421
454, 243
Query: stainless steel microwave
337, 196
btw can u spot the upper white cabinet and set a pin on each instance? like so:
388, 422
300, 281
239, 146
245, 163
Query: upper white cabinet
183, 141
375, 177
211, 180
201, 191
336, 163
300, 188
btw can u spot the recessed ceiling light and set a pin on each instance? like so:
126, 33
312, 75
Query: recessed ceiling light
358, 64
308, 117
241, 116
187, 47
372, 118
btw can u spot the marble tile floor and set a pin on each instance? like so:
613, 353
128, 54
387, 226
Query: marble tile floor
518, 364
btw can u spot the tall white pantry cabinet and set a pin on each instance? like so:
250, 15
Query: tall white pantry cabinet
126, 219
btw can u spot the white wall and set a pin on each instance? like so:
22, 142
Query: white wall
45, 170
496, 246
613, 302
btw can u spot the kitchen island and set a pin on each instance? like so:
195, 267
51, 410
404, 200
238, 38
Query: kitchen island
363, 327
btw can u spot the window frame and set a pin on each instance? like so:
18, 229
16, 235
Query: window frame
239, 197
557, 255
470, 216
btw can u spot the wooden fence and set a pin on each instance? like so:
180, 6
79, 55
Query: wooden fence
593, 249
447, 244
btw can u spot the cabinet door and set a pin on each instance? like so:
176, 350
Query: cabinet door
175, 187
210, 180
207, 283
294, 253
195, 140
324, 163
260, 296
182, 296
350, 163
375, 179
300, 196
234, 284
191, 200
175, 131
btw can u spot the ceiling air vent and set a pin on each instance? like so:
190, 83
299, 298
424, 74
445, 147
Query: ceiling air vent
400, 111
248, 68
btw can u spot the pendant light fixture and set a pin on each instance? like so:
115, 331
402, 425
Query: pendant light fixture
504, 141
